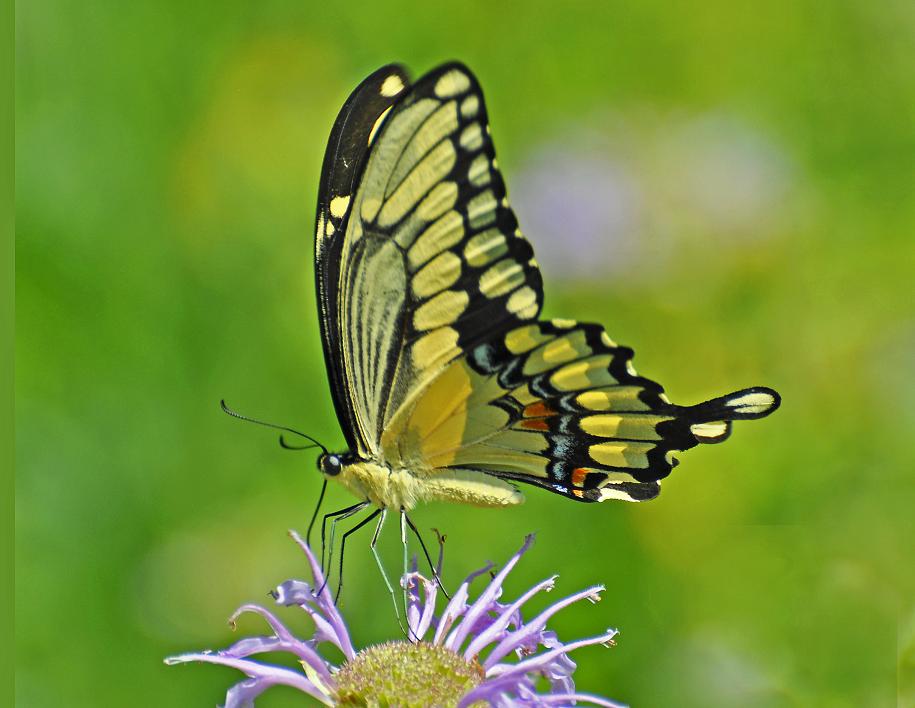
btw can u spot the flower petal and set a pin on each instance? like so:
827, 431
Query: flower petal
542, 662
571, 698
527, 637
283, 641
419, 618
325, 601
410, 583
300, 594
502, 691
264, 676
457, 605
496, 630
484, 601
561, 669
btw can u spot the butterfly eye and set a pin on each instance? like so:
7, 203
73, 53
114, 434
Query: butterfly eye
330, 465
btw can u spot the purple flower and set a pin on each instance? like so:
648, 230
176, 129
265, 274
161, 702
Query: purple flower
472, 653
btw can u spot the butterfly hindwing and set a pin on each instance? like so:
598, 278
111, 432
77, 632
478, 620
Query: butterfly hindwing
559, 405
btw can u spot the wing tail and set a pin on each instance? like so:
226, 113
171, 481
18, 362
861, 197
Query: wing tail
710, 422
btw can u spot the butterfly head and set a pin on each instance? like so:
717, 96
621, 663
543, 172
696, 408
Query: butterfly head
331, 464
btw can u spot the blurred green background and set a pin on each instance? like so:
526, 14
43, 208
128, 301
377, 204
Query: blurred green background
746, 176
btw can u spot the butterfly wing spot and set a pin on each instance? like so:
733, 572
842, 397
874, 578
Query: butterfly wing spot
555, 352
714, 432
621, 454
535, 424
606, 341
589, 373
435, 128
470, 106
431, 348
628, 426
478, 172
617, 398
481, 209
444, 233
522, 303
523, 339
753, 403
377, 124
339, 205
440, 310
439, 273
523, 441
439, 200
472, 137
628, 492
392, 86
485, 247
501, 278
451, 84
430, 170
539, 409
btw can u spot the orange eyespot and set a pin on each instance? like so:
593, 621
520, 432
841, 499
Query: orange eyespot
535, 424
579, 475
538, 410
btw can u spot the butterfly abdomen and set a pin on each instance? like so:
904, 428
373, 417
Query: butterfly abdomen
400, 488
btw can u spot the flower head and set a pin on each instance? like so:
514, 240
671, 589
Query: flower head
479, 652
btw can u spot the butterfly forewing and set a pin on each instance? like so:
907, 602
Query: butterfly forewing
432, 261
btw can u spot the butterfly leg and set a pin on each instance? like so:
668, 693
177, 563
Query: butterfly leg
326, 518
343, 548
406, 560
335, 516
436, 569
314, 517
384, 575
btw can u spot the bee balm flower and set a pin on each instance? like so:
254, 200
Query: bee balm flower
480, 652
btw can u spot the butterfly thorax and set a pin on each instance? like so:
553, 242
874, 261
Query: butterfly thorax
382, 486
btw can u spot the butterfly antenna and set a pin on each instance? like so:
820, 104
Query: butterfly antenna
245, 418
286, 446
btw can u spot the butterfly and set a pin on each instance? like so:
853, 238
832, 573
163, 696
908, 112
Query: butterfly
447, 385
